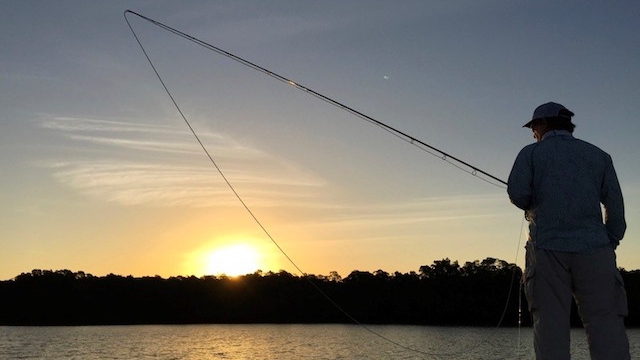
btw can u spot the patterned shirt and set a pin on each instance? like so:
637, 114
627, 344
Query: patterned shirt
563, 184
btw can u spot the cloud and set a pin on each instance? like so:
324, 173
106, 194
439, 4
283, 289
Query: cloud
73, 124
421, 210
389, 220
135, 163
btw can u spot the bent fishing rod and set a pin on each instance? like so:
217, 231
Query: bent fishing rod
421, 145
452, 160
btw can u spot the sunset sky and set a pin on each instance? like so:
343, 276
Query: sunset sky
101, 174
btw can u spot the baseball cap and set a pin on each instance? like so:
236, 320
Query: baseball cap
550, 110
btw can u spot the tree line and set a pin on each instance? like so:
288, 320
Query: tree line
478, 293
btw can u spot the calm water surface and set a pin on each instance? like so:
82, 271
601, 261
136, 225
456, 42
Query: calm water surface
276, 342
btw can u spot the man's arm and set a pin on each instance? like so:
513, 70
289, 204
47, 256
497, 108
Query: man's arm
613, 205
520, 180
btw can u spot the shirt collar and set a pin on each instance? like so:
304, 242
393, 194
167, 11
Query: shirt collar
556, 133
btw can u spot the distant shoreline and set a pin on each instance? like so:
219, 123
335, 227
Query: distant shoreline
476, 294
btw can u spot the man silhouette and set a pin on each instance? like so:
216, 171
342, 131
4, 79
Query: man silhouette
563, 183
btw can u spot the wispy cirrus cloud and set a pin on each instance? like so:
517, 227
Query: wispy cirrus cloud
133, 163
136, 163
420, 210
74, 124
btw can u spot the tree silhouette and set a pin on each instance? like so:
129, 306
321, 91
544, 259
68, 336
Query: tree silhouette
443, 293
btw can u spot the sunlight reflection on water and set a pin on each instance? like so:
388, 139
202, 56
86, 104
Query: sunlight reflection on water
235, 342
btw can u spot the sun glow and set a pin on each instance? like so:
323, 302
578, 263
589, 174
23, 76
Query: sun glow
233, 260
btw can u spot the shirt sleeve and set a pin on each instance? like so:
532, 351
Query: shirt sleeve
520, 181
613, 205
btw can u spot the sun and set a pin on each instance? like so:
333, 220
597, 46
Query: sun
233, 260
231, 255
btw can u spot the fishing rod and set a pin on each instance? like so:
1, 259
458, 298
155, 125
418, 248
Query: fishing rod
445, 156
246, 207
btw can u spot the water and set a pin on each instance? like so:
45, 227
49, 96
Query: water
275, 342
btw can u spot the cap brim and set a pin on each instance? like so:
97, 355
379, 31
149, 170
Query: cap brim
563, 113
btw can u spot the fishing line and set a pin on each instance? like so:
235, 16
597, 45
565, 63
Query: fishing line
452, 160
520, 282
513, 275
246, 207
423, 146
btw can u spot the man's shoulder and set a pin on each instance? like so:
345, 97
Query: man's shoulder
528, 149
590, 147
562, 138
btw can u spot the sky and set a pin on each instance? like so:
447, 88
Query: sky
100, 173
